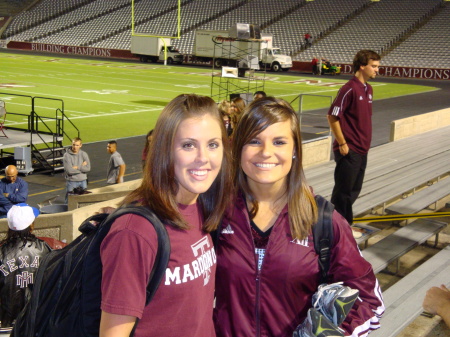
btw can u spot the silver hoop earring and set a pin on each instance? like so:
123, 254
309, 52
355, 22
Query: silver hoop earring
294, 156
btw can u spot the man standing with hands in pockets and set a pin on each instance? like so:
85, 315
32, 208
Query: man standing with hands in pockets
76, 166
350, 119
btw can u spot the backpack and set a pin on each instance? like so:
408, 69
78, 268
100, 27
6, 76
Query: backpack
67, 290
323, 235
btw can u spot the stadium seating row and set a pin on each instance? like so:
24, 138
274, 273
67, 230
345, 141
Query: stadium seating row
338, 27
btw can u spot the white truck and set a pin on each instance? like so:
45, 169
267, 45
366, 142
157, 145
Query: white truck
149, 48
217, 45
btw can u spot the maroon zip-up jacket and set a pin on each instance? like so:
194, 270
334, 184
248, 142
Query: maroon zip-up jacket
353, 107
275, 300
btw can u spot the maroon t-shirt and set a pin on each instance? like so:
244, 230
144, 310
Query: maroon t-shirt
353, 107
183, 303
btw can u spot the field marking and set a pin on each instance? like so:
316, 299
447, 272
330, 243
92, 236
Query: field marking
46, 107
193, 86
103, 84
105, 74
309, 92
97, 115
107, 79
86, 99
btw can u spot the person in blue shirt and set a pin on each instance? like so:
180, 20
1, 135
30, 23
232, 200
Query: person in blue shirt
13, 190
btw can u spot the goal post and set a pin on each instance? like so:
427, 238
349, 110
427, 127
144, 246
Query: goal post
162, 37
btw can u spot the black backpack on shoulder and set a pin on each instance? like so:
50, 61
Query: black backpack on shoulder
67, 290
323, 235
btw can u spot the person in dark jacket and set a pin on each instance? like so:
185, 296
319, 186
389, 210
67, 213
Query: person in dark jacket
267, 267
20, 255
13, 190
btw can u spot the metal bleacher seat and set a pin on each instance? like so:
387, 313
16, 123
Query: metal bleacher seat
421, 199
391, 170
381, 17
397, 244
403, 301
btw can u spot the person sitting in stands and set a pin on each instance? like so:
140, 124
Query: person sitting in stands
20, 255
13, 190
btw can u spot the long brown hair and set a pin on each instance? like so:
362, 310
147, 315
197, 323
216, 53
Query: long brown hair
239, 103
257, 117
159, 185
25, 235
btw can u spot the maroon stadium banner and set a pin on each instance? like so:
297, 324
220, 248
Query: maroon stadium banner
71, 50
388, 71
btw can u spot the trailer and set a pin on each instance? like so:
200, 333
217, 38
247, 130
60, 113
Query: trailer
149, 48
225, 50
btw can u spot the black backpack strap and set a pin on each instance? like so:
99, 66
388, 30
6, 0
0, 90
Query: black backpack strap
163, 253
323, 235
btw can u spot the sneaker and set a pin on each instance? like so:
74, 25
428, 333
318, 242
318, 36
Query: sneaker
334, 301
317, 325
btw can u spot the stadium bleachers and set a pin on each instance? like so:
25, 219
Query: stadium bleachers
258, 12
12, 7
399, 28
192, 13
41, 13
79, 17
427, 47
374, 28
314, 18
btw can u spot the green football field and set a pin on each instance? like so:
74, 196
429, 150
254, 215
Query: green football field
108, 99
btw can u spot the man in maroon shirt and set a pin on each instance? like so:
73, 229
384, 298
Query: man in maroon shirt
350, 119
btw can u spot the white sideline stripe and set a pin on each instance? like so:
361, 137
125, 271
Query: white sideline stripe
85, 99
333, 90
106, 78
102, 114
50, 108
305, 93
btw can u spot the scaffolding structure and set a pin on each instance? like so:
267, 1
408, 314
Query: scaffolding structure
234, 69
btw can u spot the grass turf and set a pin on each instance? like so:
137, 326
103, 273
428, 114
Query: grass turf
108, 99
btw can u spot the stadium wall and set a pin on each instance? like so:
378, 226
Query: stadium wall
389, 71
71, 50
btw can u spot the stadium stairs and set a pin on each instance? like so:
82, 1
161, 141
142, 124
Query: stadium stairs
213, 17
323, 35
282, 15
410, 31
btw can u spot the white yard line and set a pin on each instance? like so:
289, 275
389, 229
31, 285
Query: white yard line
97, 115
105, 84
77, 98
